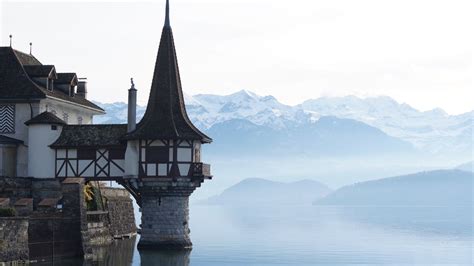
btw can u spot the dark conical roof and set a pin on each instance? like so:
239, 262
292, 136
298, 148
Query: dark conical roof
165, 116
45, 118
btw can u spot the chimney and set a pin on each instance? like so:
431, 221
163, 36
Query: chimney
132, 107
82, 88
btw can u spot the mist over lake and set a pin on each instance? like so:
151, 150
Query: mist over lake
309, 235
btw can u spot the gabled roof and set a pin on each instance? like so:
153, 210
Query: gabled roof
16, 84
8, 140
45, 118
165, 116
91, 136
66, 78
39, 70
26, 59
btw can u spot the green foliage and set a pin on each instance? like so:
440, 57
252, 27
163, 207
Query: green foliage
7, 212
95, 203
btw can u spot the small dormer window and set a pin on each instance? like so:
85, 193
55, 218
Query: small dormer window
72, 90
50, 84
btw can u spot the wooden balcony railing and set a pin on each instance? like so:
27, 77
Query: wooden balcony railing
201, 170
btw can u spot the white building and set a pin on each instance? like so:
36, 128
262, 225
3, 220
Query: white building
47, 130
27, 89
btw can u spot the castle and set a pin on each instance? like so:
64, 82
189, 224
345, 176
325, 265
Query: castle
47, 131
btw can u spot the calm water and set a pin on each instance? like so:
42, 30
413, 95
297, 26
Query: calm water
309, 235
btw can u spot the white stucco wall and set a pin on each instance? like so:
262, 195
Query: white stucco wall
131, 159
74, 112
26, 111
23, 113
41, 157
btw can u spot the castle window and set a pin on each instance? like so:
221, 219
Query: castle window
54, 127
86, 154
79, 120
7, 119
157, 154
117, 154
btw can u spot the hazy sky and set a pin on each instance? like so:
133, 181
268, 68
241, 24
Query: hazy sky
416, 51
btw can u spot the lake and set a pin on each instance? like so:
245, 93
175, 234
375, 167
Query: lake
309, 235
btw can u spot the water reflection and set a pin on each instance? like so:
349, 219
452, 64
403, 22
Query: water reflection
120, 252
165, 258
308, 235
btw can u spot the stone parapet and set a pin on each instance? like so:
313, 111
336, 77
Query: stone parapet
14, 239
120, 208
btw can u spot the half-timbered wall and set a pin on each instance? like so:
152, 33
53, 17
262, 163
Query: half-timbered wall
157, 156
105, 163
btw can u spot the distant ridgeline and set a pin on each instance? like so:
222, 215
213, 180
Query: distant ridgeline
255, 191
435, 188
442, 188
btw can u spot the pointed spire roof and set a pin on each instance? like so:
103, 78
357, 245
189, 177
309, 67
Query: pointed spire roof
165, 116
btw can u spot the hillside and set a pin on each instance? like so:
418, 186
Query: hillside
435, 188
256, 191
469, 167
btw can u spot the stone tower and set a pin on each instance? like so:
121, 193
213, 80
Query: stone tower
166, 147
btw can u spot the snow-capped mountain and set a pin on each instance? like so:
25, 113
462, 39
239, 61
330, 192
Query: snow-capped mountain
434, 131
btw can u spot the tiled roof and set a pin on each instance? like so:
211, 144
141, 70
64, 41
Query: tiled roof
45, 118
49, 202
38, 70
91, 136
16, 84
26, 59
8, 140
65, 78
165, 116
24, 202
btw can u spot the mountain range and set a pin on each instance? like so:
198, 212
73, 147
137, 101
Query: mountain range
348, 125
257, 191
433, 188
468, 167
450, 187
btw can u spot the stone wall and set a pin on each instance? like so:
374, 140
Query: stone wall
13, 239
57, 221
15, 188
165, 223
56, 236
120, 208
59, 233
45, 189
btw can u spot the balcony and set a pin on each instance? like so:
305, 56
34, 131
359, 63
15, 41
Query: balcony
201, 170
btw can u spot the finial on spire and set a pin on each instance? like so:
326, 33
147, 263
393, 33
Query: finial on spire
167, 18
133, 84
31, 48
11, 36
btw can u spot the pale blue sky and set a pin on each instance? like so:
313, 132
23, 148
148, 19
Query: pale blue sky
416, 51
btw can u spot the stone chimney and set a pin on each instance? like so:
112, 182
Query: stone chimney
82, 88
132, 108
